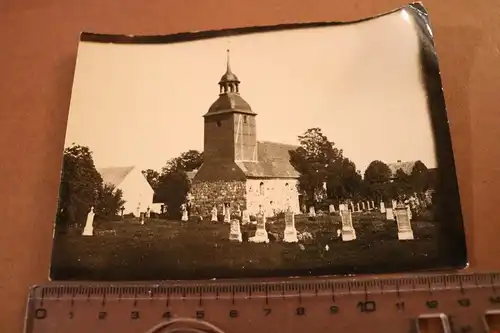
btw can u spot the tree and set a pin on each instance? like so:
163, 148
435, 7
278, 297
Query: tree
315, 160
172, 190
173, 184
80, 185
152, 176
420, 177
109, 202
376, 178
401, 186
187, 161
343, 180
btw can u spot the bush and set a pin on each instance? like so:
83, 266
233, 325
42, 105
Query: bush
424, 215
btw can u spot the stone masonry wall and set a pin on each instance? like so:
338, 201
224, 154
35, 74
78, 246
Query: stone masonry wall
206, 194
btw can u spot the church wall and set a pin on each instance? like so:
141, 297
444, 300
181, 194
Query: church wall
245, 146
272, 194
219, 138
206, 194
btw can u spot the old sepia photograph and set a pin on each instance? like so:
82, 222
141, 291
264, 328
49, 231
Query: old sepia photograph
284, 151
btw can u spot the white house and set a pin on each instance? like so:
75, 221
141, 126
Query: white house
137, 192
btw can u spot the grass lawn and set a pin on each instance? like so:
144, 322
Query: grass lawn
163, 249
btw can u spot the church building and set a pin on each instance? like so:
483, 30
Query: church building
237, 169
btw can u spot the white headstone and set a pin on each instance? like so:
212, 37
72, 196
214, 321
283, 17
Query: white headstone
404, 226
352, 206
394, 203
184, 217
348, 232
373, 204
363, 205
331, 208
261, 235
141, 218
342, 207
389, 214
382, 207
245, 217
89, 224
357, 207
227, 215
312, 212
223, 210
368, 205
290, 234
235, 231
214, 214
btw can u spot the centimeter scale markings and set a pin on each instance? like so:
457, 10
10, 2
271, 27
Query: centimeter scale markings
462, 303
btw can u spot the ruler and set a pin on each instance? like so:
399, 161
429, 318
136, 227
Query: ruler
448, 303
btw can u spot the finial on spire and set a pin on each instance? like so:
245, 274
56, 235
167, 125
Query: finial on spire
228, 62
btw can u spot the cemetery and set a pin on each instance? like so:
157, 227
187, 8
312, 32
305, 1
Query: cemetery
232, 243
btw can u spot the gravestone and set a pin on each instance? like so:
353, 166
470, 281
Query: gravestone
223, 209
141, 218
312, 212
227, 215
290, 234
389, 214
245, 217
363, 205
348, 232
185, 216
342, 207
382, 207
394, 203
373, 204
331, 208
352, 206
214, 214
89, 224
404, 226
235, 231
148, 213
368, 205
357, 207
261, 235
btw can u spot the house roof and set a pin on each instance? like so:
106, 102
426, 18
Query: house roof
115, 175
273, 161
406, 166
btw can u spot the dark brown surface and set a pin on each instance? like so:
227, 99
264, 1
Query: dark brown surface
37, 58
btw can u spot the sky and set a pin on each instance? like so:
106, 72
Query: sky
361, 84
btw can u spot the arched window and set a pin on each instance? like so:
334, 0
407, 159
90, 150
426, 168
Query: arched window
261, 188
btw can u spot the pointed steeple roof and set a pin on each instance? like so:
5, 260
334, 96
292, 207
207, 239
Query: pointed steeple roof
229, 76
229, 100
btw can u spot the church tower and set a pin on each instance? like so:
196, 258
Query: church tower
230, 127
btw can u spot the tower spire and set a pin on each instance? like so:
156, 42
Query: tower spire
228, 65
229, 82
